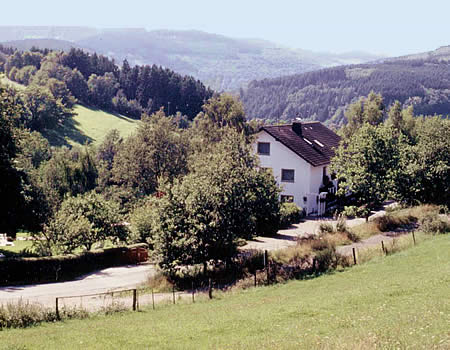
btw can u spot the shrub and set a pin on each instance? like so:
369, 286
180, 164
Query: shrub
390, 222
24, 314
326, 227
290, 213
325, 255
433, 223
341, 224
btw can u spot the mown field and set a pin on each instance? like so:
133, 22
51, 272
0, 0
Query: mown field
400, 301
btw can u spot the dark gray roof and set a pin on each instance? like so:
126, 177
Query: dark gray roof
313, 141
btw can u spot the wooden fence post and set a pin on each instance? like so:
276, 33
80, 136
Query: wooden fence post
193, 292
266, 260
414, 237
134, 299
153, 299
57, 309
173, 293
354, 255
210, 289
255, 277
382, 247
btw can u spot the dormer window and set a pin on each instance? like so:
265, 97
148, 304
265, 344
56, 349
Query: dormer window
319, 143
264, 148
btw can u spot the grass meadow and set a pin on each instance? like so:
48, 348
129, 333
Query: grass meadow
398, 301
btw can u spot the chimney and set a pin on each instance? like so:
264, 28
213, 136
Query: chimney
297, 128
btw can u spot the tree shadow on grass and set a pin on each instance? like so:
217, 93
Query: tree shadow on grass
117, 115
65, 132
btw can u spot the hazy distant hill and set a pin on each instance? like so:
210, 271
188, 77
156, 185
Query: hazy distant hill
52, 44
221, 62
440, 54
324, 95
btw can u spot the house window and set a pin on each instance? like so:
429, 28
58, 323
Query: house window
287, 199
287, 175
264, 148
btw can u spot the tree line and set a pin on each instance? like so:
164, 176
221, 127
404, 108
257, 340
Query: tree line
324, 95
96, 80
388, 153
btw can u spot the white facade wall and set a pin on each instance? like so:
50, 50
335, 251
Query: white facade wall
307, 178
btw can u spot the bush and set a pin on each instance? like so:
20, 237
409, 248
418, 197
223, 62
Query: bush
353, 211
326, 227
341, 224
290, 213
23, 314
390, 222
433, 223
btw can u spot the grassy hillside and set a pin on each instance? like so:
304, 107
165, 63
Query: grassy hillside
88, 124
400, 301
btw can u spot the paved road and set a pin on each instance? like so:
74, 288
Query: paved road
114, 278
288, 237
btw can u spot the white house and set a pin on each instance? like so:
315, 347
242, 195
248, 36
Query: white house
299, 156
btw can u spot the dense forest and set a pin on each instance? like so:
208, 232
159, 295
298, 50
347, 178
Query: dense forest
324, 95
98, 81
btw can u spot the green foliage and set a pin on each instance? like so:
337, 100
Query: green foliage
12, 201
23, 75
81, 222
157, 149
200, 217
142, 220
368, 109
102, 89
290, 213
43, 110
67, 172
367, 164
225, 110
326, 227
425, 165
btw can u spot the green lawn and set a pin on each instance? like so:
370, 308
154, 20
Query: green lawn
400, 301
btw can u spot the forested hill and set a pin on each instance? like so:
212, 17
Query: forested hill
97, 81
324, 95
223, 63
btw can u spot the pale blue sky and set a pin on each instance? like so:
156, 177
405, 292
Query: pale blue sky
384, 26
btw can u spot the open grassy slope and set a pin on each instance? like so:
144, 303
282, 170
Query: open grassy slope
400, 301
87, 125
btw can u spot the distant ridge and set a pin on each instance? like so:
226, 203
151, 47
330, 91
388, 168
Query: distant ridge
223, 63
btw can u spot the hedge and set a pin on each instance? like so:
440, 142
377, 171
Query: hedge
63, 268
